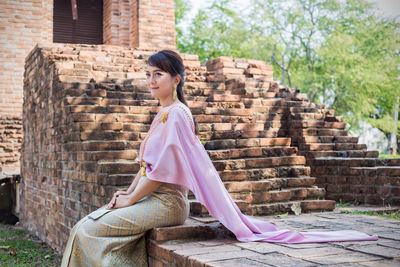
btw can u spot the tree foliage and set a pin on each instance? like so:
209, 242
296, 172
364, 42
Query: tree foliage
336, 51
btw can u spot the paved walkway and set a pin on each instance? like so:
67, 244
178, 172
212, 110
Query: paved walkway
229, 252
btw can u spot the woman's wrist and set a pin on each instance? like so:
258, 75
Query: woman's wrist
132, 199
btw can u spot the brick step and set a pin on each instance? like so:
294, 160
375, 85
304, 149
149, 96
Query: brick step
122, 180
206, 133
354, 162
230, 119
201, 85
252, 103
317, 132
278, 111
249, 163
108, 135
254, 174
224, 98
257, 92
334, 118
248, 142
223, 105
331, 146
309, 123
191, 229
197, 209
252, 152
382, 172
221, 111
341, 153
118, 167
205, 92
230, 130
76, 125
250, 85
126, 154
282, 195
148, 96
314, 110
271, 116
102, 146
67, 85
307, 116
135, 102
110, 107
278, 177
89, 97
324, 139
253, 94
314, 205
263, 209
269, 184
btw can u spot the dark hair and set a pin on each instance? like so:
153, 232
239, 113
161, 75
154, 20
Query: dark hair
171, 62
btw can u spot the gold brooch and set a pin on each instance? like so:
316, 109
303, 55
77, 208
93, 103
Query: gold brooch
164, 116
143, 168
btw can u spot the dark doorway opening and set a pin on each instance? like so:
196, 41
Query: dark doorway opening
87, 29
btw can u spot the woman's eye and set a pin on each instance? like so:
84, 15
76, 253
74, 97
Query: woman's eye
148, 74
158, 73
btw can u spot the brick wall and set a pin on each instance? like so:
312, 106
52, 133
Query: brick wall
10, 143
141, 23
23, 24
84, 124
155, 24
80, 138
363, 180
26, 23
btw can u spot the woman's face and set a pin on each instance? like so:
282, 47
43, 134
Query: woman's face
159, 82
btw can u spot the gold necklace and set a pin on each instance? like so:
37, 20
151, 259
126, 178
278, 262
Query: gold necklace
163, 118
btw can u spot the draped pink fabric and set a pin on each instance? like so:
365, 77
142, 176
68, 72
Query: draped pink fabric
174, 154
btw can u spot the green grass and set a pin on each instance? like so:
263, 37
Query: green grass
346, 204
392, 215
387, 156
18, 248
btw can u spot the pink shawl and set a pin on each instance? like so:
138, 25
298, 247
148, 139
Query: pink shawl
174, 154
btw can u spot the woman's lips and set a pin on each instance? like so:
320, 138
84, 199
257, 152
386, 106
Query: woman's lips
154, 88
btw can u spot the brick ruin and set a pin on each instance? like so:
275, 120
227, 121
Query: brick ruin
130, 23
76, 118
87, 109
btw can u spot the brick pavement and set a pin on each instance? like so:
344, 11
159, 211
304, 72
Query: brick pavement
208, 244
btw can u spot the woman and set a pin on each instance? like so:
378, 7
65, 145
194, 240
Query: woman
114, 234
172, 161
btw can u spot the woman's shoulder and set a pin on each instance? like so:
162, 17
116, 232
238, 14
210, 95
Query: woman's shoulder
181, 111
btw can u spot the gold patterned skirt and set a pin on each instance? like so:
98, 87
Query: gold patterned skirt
117, 237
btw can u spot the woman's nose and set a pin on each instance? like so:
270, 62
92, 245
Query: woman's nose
151, 79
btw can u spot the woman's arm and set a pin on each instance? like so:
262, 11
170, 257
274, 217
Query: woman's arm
144, 189
125, 200
132, 186
134, 183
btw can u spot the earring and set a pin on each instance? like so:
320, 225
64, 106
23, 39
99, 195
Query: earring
175, 95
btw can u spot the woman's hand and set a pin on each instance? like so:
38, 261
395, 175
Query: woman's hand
119, 192
119, 200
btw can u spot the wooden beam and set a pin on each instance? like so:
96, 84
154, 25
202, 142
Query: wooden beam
74, 10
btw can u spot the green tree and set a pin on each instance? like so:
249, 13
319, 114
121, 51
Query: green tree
221, 29
181, 9
335, 51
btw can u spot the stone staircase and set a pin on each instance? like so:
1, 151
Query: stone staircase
87, 110
244, 127
248, 142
